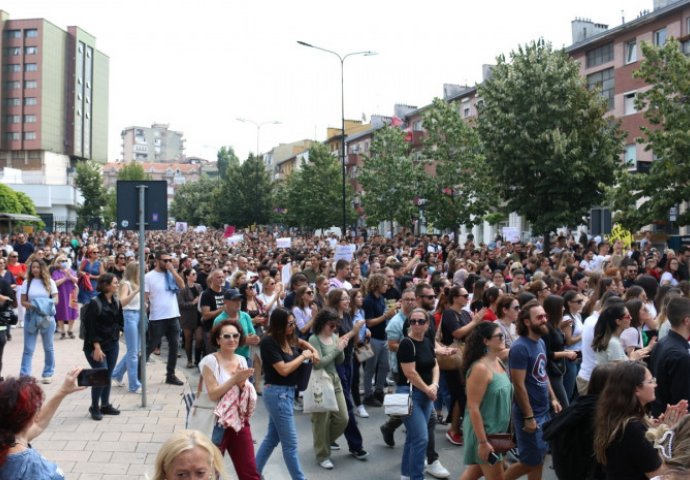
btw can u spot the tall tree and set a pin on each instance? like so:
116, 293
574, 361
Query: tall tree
314, 191
461, 192
548, 145
227, 160
391, 179
639, 199
9, 202
245, 194
130, 171
90, 183
197, 202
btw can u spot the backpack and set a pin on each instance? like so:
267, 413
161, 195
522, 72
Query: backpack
82, 315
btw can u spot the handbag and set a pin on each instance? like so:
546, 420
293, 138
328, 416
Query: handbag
454, 361
319, 396
364, 352
398, 404
501, 442
200, 415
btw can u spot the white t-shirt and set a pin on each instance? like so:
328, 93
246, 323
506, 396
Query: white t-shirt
38, 290
588, 354
613, 353
577, 331
163, 302
221, 374
630, 337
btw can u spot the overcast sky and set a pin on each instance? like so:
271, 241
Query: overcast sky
198, 65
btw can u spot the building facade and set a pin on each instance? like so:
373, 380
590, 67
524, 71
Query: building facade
152, 144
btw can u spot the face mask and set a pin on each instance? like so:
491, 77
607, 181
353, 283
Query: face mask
432, 269
65, 264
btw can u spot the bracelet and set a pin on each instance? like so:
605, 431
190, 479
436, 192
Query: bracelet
435, 385
528, 418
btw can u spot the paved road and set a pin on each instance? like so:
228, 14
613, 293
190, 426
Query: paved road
124, 447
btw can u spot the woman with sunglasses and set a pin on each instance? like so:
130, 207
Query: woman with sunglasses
507, 309
419, 375
118, 267
66, 281
90, 270
221, 372
572, 327
489, 397
282, 354
304, 310
607, 346
554, 340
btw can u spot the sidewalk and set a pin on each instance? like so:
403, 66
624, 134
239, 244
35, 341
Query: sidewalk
120, 447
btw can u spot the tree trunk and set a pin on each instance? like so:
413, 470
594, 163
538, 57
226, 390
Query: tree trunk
547, 243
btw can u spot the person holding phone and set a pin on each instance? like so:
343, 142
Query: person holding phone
489, 397
104, 322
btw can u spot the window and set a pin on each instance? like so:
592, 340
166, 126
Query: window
629, 103
605, 81
30, 67
13, 51
13, 34
631, 155
30, 84
31, 33
13, 102
29, 118
12, 136
12, 118
630, 51
600, 55
660, 37
466, 112
29, 135
30, 101
13, 84
417, 126
30, 50
13, 67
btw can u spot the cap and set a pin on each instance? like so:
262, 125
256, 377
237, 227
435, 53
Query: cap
232, 294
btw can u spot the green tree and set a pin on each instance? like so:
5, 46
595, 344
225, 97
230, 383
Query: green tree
391, 180
9, 201
227, 160
196, 202
639, 199
314, 192
245, 194
130, 171
548, 146
461, 191
90, 183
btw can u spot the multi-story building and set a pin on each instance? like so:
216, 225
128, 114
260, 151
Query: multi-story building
286, 157
155, 144
53, 110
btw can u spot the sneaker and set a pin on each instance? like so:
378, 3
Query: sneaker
46, 380
437, 470
335, 446
173, 380
190, 364
454, 438
95, 413
327, 464
372, 401
360, 411
360, 454
298, 405
119, 383
388, 436
109, 410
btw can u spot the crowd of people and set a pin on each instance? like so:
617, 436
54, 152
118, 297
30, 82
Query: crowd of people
581, 351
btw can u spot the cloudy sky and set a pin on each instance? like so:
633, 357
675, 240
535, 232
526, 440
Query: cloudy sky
199, 65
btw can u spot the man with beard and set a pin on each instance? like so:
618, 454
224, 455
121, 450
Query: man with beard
527, 364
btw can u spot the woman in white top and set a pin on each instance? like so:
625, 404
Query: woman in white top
38, 285
272, 295
671, 275
572, 327
220, 372
304, 310
613, 320
131, 310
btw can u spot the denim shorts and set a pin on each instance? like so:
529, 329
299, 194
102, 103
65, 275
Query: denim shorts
531, 446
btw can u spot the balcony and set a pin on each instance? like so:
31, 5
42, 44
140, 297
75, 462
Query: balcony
417, 138
352, 160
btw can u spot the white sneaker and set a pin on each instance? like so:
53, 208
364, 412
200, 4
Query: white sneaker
47, 380
361, 412
119, 383
437, 470
327, 464
403, 477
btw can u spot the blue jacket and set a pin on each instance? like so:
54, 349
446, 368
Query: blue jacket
41, 316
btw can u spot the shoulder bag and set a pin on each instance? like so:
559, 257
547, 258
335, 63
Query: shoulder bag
454, 361
399, 404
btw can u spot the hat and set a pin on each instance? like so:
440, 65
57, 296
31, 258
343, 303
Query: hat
232, 294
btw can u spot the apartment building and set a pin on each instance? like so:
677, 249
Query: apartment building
156, 143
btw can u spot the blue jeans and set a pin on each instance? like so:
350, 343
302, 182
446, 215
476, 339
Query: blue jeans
48, 349
376, 365
417, 425
281, 429
131, 359
571, 370
103, 393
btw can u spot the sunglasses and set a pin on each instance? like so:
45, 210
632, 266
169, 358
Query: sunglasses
228, 336
418, 322
291, 324
429, 297
500, 336
464, 295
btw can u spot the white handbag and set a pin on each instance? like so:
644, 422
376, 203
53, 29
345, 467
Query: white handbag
398, 404
319, 396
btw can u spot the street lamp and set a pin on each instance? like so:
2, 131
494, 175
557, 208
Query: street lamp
342, 58
258, 129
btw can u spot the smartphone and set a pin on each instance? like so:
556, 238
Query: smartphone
493, 458
578, 353
93, 377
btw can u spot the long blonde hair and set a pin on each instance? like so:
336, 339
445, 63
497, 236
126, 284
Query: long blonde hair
185, 441
131, 274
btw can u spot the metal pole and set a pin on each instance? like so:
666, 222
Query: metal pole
142, 296
342, 140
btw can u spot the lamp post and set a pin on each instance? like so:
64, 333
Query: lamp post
258, 129
342, 58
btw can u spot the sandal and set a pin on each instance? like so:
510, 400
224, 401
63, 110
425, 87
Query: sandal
70, 334
62, 335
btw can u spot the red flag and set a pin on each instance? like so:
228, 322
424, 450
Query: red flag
229, 231
396, 122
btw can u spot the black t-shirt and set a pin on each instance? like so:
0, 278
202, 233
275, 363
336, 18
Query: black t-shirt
392, 294
422, 353
202, 279
212, 299
374, 307
632, 455
6, 290
271, 353
344, 327
450, 322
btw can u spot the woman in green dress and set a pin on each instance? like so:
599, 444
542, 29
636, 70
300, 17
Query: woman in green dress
489, 396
